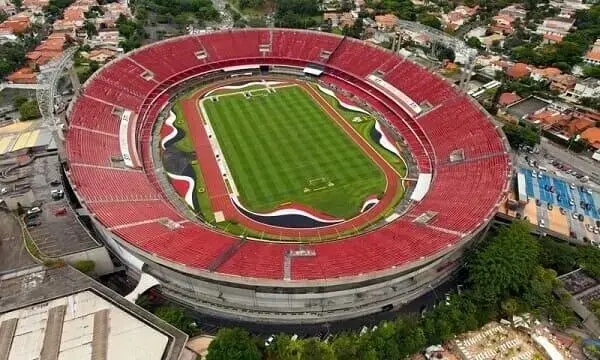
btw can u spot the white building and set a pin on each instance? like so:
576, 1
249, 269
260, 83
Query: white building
589, 87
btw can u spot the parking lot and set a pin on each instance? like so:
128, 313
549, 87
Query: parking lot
55, 229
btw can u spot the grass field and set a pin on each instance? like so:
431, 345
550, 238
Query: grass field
283, 147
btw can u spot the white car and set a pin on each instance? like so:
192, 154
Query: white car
34, 210
542, 223
574, 216
572, 186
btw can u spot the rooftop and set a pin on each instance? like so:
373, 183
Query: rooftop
62, 313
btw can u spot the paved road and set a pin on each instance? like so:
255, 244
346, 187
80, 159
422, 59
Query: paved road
581, 164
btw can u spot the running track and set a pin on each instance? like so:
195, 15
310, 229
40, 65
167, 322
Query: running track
219, 196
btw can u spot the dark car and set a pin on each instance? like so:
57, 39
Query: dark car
580, 217
538, 202
55, 182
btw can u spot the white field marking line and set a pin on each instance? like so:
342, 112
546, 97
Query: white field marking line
353, 129
249, 91
216, 148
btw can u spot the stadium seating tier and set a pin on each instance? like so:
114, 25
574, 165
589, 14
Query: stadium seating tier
130, 203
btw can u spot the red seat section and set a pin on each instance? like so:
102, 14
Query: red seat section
298, 44
87, 147
463, 207
121, 213
118, 96
398, 243
419, 84
358, 58
105, 184
171, 57
190, 244
225, 45
95, 115
460, 125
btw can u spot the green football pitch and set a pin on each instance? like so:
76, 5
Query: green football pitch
283, 147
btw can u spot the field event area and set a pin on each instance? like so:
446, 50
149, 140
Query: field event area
282, 147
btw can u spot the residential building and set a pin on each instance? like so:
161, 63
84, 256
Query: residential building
592, 57
502, 24
49, 49
15, 24
8, 7
101, 55
545, 74
457, 17
387, 22
558, 26
589, 87
35, 5
576, 126
515, 11
592, 136
24, 75
563, 82
518, 70
508, 98
105, 38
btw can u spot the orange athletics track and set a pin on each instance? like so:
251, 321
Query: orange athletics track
219, 195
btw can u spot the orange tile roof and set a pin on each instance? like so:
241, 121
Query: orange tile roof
15, 25
579, 125
22, 76
518, 70
553, 37
508, 98
592, 135
593, 55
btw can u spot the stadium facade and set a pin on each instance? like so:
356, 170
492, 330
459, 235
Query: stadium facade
462, 172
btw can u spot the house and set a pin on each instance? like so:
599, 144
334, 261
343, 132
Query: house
592, 136
576, 126
552, 38
35, 5
16, 24
518, 70
387, 22
332, 17
457, 17
515, 11
101, 55
105, 38
550, 118
508, 98
589, 87
24, 75
563, 82
47, 50
559, 26
545, 74
502, 24
592, 57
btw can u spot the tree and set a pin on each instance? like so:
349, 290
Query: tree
521, 135
505, 266
510, 307
90, 28
592, 71
431, 21
177, 317
355, 30
474, 42
3, 16
17, 3
19, 100
233, 344
12, 56
313, 349
29, 110
345, 347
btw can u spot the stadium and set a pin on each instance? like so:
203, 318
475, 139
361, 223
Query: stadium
283, 176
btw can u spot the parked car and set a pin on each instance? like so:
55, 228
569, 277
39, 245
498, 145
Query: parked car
34, 210
60, 212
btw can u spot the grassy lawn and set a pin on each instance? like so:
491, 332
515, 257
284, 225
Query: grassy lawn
202, 195
185, 144
283, 148
364, 128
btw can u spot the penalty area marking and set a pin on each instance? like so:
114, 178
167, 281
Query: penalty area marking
318, 184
